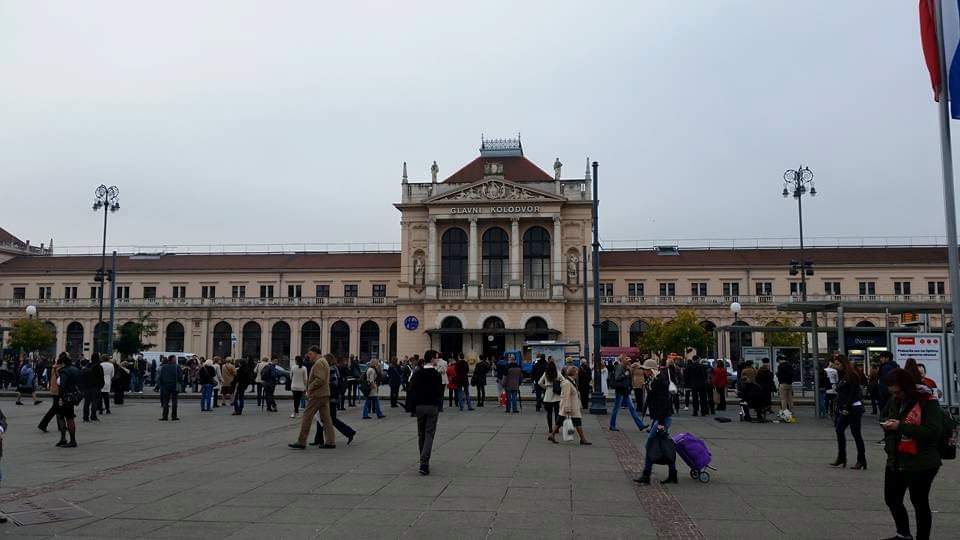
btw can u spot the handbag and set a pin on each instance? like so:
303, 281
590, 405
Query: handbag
568, 430
673, 387
556, 387
663, 451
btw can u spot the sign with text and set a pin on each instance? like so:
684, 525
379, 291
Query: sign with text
518, 209
926, 349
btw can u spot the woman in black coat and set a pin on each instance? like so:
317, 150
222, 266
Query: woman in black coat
660, 407
849, 413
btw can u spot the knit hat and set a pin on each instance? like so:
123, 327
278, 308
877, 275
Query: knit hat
652, 365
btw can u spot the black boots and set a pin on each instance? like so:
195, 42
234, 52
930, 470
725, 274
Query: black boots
861, 465
671, 478
643, 480
839, 462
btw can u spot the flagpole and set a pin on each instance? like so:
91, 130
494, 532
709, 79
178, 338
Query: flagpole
946, 155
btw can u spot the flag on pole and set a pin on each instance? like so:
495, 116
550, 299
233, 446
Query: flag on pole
951, 42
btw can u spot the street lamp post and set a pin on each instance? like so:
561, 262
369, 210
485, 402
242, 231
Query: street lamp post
795, 184
735, 309
31, 313
598, 401
105, 198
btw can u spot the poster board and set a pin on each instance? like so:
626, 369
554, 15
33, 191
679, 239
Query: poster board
926, 349
756, 354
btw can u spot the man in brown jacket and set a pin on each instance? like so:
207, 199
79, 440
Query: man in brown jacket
318, 401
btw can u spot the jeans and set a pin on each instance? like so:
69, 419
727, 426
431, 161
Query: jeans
426, 429
372, 404
513, 400
553, 413
105, 402
206, 397
394, 395
268, 390
895, 485
90, 398
638, 395
648, 463
538, 392
617, 402
464, 392
481, 394
168, 396
852, 420
238, 400
297, 397
259, 394
822, 399
340, 426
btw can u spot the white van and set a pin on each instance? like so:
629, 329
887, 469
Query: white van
154, 357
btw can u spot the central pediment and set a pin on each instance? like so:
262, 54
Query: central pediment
494, 189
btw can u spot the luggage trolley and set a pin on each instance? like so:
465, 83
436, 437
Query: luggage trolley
695, 454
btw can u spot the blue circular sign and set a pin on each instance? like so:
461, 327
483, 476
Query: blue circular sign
411, 323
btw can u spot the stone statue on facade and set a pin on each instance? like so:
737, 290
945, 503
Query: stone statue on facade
556, 169
418, 269
573, 269
434, 171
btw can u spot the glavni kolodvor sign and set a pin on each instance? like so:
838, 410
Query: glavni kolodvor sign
517, 209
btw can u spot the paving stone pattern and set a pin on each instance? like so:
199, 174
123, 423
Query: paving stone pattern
494, 475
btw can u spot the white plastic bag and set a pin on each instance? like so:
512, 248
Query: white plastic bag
568, 430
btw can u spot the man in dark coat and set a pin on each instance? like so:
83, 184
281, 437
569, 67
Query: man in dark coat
168, 385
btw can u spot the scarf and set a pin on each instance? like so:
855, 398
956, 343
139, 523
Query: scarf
908, 445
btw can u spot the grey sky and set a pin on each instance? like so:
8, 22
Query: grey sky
234, 121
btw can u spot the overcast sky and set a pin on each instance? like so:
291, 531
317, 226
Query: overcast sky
229, 122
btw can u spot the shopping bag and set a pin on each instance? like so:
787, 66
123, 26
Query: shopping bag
568, 430
503, 399
663, 451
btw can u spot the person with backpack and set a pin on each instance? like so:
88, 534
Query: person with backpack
69, 395
243, 380
622, 385
54, 392
913, 431
536, 372
373, 379
270, 376
167, 385
205, 375
90, 381
27, 384
479, 380
340, 425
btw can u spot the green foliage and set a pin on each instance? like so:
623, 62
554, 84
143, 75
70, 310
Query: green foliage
674, 335
132, 338
782, 339
30, 335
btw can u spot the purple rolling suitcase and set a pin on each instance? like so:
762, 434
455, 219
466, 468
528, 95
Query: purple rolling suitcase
695, 454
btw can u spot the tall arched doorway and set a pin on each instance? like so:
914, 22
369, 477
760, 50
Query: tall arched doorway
393, 340
637, 329
251, 341
74, 343
738, 340
222, 339
340, 339
101, 336
710, 328
280, 341
310, 336
494, 341
174, 337
369, 340
536, 329
451, 337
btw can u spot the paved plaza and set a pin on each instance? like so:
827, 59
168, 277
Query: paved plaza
494, 475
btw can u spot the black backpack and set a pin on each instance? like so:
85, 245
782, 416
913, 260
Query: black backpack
334, 381
268, 374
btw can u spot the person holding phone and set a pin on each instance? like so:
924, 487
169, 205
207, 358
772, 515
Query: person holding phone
912, 429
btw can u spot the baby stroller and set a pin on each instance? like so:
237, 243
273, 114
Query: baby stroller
695, 454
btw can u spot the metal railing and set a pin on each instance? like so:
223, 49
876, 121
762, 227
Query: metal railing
332, 301
159, 250
776, 242
494, 292
536, 294
453, 293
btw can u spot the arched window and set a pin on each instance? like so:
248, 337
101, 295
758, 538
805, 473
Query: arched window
637, 330
739, 339
340, 339
865, 324
609, 334
51, 350
710, 328
369, 340
453, 258
494, 342
310, 336
101, 335
536, 258
75, 339
175, 337
393, 341
451, 341
222, 340
496, 256
280, 341
251, 340
536, 329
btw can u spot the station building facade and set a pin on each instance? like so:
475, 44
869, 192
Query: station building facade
489, 257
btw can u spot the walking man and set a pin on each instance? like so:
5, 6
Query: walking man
426, 391
340, 425
167, 385
318, 394
107, 366
68, 387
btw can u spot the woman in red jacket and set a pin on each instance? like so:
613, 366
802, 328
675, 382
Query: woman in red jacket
451, 382
719, 382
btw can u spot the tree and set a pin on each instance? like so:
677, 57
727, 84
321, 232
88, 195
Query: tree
131, 338
782, 339
651, 341
685, 331
30, 335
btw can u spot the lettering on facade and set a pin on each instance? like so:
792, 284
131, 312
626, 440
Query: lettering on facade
522, 209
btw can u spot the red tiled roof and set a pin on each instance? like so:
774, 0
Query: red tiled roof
515, 169
389, 261
875, 256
